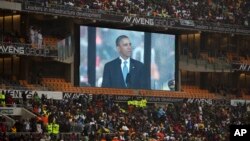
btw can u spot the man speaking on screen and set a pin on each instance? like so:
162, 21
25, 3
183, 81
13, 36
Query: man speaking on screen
124, 72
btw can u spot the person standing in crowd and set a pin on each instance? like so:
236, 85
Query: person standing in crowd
27, 125
40, 39
35, 37
32, 35
3, 127
2, 99
24, 98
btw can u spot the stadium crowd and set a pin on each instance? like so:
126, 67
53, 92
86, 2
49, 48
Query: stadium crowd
100, 118
234, 12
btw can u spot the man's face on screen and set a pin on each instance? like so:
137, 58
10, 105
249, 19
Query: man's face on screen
124, 48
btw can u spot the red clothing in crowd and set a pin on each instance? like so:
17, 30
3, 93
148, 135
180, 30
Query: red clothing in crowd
3, 128
160, 136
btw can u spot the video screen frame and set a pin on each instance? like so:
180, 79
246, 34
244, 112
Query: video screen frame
91, 55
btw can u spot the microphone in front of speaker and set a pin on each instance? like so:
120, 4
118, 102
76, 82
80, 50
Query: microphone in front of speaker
128, 80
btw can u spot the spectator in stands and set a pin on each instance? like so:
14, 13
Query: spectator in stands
230, 12
45, 137
32, 35
24, 97
36, 99
27, 125
3, 127
43, 98
9, 100
182, 120
13, 129
40, 39
35, 37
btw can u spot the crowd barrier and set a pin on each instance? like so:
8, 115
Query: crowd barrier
86, 91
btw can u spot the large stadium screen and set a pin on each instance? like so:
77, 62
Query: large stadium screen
126, 59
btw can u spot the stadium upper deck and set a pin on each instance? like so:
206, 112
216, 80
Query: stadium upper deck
234, 12
208, 15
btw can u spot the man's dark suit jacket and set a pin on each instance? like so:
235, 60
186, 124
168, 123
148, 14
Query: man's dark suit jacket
113, 78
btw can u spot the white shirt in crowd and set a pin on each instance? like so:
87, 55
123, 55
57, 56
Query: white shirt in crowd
27, 126
35, 36
40, 40
32, 36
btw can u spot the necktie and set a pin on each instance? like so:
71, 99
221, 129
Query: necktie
125, 71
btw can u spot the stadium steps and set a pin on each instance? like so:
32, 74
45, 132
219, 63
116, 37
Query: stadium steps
17, 111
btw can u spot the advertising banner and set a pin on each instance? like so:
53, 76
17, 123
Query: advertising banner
22, 49
241, 67
29, 94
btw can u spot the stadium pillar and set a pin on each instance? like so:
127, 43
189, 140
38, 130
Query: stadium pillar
24, 69
203, 80
236, 80
25, 23
197, 78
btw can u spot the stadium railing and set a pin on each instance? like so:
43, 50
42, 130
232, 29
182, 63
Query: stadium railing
128, 92
36, 88
60, 85
28, 45
65, 136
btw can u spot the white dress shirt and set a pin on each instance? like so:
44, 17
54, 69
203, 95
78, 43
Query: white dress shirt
122, 63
